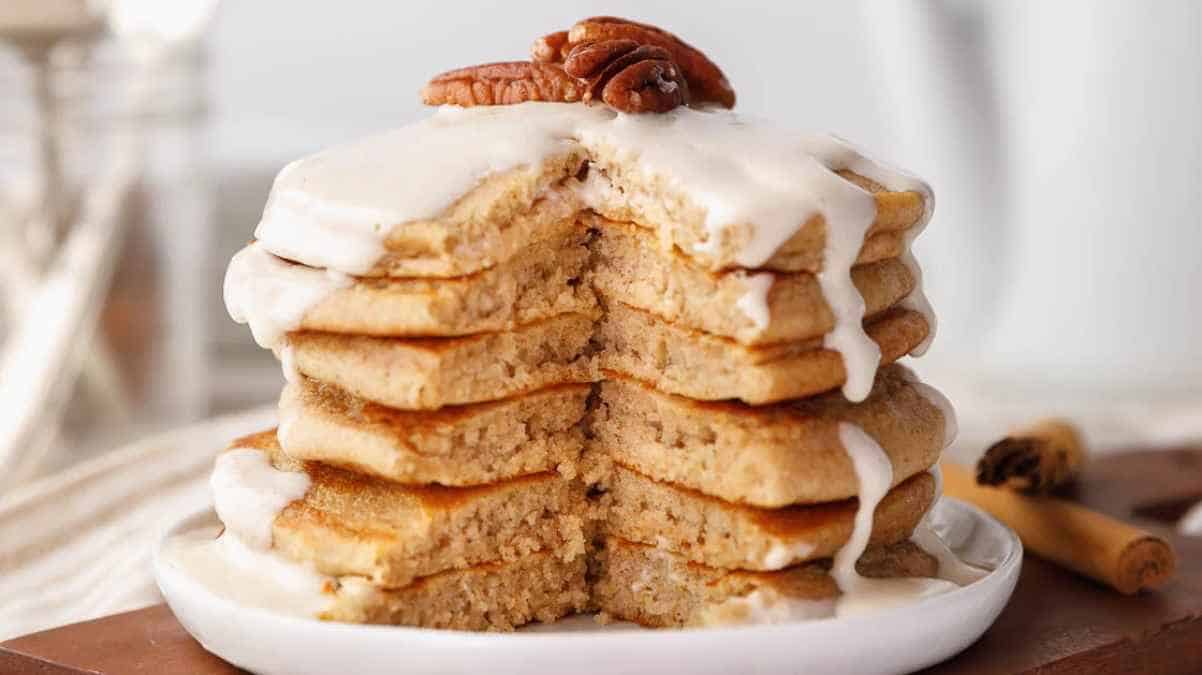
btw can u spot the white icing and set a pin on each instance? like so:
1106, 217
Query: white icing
874, 472
754, 301
335, 209
248, 493
861, 355
273, 295
1191, 523
861, 595
250, 576
951, 567
287, 356
900, 181
780, 556
765, 605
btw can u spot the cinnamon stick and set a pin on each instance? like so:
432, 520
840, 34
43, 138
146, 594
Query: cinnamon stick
1036, 459
1102, 548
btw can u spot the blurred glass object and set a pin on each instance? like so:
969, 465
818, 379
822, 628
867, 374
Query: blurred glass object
104, 124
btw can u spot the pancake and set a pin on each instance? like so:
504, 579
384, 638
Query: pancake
491, 597
655, 588
689, 363
429, 373
543, 280
717, 533
350, 524
456, 445
769, 456
634, 267
619, 190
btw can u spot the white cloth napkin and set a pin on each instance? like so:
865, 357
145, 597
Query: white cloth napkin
78, 545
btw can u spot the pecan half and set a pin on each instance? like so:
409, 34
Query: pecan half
503, 84
628, 76
588, 59
707, 83
550, 48
652, 85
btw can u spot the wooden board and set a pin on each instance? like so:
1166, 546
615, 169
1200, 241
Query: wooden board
1057, 623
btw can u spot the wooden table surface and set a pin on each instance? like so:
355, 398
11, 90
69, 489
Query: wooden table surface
1056, 624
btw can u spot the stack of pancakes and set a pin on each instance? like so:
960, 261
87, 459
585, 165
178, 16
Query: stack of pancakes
565, 392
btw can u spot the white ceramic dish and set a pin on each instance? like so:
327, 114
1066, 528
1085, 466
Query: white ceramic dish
896, 640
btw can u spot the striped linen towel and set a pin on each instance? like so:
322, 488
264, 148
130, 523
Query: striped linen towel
77, 545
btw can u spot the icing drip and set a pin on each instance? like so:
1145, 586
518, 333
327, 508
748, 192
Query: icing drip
900, 181
287, 356
754, 302
926, 536
861, 595
875, 474
861, 356
273, 295
248, 494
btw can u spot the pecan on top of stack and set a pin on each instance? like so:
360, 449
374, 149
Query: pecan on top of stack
631, 67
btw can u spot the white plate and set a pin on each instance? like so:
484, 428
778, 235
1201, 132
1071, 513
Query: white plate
896, 640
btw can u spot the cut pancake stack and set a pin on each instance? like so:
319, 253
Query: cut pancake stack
725, 477
559, 382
